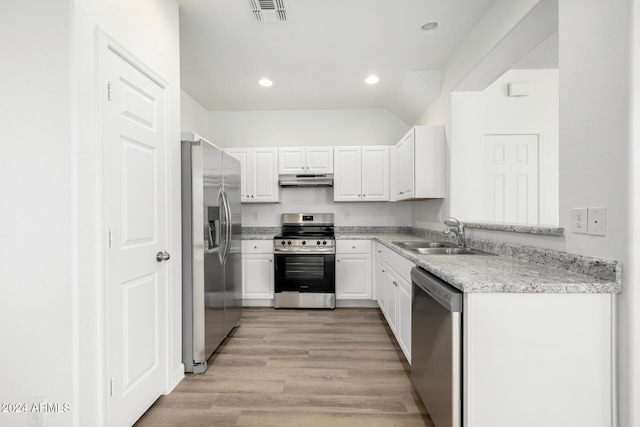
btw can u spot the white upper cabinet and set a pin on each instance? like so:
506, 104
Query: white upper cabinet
259, 183
419, 164
375, 173
306, 160
361, 174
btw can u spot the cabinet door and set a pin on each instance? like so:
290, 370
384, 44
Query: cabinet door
403, 327
353, 276
347, 184
319, 160
243, 155
375, 173
405, 170
390, 285
265, 175
257, 276
382, 269
292, 160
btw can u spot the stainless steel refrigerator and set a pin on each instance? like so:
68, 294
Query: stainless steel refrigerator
211, 249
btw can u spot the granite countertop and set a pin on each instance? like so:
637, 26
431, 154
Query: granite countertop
496, 274
258, 236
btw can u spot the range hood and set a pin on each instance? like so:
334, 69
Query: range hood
325, 180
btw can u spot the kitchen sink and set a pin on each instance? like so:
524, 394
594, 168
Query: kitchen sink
449, 251
425, 245
439, 248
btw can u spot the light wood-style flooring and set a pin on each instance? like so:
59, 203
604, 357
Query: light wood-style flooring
298, 367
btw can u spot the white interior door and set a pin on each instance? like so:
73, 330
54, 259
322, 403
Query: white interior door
134, 139
511, 164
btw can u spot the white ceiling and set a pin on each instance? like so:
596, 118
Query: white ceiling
320, 57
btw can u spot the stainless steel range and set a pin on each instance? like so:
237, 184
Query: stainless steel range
305, 262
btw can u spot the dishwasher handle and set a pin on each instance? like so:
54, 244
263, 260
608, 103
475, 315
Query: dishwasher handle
445, 294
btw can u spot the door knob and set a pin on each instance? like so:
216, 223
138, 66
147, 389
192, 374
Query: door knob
162, 256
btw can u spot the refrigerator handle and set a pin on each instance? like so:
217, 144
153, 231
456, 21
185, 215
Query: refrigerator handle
223, 226
227, 210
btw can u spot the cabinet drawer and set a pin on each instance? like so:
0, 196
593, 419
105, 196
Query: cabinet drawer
353, 246
257, 246
396, 261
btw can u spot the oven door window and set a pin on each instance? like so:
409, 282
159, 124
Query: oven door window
305, 273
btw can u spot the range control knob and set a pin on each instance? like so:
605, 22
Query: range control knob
283, 242
318, 243
304, 242
289, 242
324, 242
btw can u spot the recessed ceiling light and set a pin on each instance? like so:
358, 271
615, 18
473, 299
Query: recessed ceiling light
265, 82
428, 28
372, 79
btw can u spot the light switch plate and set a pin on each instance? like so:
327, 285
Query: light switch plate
597, 221
579, 220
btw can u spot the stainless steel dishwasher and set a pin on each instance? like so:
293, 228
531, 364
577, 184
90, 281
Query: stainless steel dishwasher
436, 347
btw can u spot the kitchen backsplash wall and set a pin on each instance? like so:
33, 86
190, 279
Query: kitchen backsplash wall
321, 200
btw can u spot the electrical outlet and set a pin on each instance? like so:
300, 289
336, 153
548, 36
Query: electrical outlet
579, 220
37, 411
438, 216
256, 215
597, 221
347, 215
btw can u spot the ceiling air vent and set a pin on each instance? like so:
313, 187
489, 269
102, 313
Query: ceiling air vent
268, 10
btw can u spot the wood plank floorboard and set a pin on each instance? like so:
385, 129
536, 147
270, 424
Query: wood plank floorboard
301, 368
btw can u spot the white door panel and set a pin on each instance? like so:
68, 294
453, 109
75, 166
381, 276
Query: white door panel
512, 178
134, 139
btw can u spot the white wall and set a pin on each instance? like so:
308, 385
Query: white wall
537, 112
321, 200
36, 226
594, 156
629, 304
595, 147
304, 128
51, 166
193, 116
476, 113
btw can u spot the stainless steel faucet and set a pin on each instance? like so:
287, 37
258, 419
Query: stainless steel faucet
456, 227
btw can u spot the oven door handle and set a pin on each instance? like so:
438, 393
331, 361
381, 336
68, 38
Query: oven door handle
283, 251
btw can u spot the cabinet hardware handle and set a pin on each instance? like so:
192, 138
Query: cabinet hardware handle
270, 260
255, 247
383, 270
402, 192
353, 247
338, 260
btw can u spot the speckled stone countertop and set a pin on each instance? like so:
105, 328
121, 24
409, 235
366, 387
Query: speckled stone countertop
259, 233
504, 274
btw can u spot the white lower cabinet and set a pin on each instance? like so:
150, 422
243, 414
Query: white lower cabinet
353, 269
393, 288
538, 359
257, 272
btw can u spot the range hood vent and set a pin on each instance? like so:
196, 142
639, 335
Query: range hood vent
325, 180
268, 10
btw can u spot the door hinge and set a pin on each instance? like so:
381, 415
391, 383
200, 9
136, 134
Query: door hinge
112, 387
109, 91
110, 239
